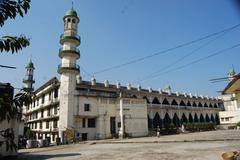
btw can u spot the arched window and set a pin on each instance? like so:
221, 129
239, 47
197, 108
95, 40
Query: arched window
134, 96
176, 120
199, 104
212, 118
194, 104
174, 102
69, 20
148, 102
215, 105
207, 118
205, 105
73, 21
182, 103
202, 120
188, 103
190, 118
184, 118
196, 120
217, 119
210, 105
166, 120
165, 101
155, 101
157, 121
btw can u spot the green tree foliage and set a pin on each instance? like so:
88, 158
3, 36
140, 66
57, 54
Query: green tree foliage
9, 9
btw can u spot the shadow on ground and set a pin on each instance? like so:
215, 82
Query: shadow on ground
28, 156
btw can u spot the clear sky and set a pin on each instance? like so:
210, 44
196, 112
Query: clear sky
117, 31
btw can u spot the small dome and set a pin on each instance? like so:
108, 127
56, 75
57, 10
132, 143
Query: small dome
30, 65
71, 12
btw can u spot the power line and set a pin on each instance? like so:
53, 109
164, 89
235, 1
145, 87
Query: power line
86, 72
193, 62
166, 50
182, 58
10, 67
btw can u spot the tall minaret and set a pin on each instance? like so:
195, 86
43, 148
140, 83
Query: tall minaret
68, 69
28, 80
231, 74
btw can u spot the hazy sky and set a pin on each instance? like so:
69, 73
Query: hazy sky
117, 31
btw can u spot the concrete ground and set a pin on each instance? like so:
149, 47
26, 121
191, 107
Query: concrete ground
191, 146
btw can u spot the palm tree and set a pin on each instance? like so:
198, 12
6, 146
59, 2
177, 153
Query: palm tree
9, 9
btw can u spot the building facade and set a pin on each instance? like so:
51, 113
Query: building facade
231, 99
101, 110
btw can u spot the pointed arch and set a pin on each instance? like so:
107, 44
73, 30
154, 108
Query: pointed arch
202, 120
176, 120
210, 105
148, 102
205, 105
196, 120
155, 101
212, 118
217, 119
194, 104
182, 103
149, 122
200, 104
165, 101
134, 96
167, 120
184, 118
174, 102
215, 105
157, 121
188, 103
190, 118
207, 118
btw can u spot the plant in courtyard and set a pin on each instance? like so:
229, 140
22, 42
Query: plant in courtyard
11, 108
238, 124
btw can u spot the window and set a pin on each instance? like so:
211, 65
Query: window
42, 111
55, 110
69, 20
86, 107
40, 125
36, 125
37, 101
73, 21
47, 124
91, 123
48, 112
55, 123
56, 93
50, 96
83, 123
43, 96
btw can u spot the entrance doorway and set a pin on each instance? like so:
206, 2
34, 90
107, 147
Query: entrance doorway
113, 125
84, 137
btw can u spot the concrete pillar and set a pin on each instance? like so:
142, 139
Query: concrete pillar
122, 129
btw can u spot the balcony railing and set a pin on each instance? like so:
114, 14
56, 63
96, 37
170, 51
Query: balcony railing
70, 36
69, 50
67, 67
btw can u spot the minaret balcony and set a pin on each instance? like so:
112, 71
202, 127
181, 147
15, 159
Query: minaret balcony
68, 67
69, 51
26, 80
70, 37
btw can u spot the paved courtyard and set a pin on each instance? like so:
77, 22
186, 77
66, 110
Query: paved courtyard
192, 146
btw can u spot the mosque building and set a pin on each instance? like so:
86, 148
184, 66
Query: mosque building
96, 110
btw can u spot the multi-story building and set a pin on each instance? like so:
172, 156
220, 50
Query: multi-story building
231, 99
101, 110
